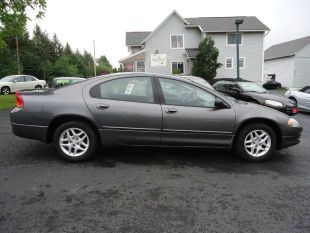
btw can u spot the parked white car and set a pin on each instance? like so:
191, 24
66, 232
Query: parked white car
13, 83
301, 97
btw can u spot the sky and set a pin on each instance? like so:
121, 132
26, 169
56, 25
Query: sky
79, 22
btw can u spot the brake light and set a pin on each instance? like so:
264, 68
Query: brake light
19, 100
295, 110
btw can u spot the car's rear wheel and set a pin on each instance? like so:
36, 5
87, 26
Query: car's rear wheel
38, 87
75, 141
256, 142
5, 90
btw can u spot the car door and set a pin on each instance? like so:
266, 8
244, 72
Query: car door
19, 83
127, 109
229, 88
30, 82
190, 117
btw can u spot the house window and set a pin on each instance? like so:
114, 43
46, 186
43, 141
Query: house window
140, 66
232, 38
177, 67
241, 62
177, 41
228, 63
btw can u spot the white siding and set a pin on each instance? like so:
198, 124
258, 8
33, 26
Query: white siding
160, 41
251, 49
283, 68
302, 68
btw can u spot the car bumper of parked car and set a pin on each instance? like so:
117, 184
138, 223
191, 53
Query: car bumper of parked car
291, 137
30, 131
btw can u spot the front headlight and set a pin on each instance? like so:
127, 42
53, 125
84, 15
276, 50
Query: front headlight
273, 103
292, 123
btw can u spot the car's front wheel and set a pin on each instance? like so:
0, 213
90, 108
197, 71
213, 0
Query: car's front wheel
75, 141
256, 142
38, 87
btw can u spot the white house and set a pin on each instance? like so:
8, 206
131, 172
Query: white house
289, 62
173, 45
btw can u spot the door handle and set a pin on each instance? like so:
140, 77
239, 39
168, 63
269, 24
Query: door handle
171, 110
102, 106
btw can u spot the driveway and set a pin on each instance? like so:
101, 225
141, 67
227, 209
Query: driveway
152, 190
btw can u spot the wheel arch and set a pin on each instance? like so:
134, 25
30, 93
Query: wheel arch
268, 122
59, 120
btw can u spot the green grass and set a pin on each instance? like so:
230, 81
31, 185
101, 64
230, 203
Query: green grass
7, 101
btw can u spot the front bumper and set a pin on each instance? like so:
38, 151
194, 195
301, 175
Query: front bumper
291, 137
30, 131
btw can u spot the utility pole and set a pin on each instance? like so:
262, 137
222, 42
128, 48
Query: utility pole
17, 55
94, 58
238, 22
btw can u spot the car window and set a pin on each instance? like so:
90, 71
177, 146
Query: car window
252, 87
135, 89
184, 94
225, 85
29, 79
20, 79
307, 91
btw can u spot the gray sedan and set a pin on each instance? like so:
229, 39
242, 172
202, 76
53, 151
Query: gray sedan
301, 97
143, 109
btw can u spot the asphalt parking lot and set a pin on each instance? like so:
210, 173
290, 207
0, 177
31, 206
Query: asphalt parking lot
152, 190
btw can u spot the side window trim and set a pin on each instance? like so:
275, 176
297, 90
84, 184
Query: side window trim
154, 90
162, 97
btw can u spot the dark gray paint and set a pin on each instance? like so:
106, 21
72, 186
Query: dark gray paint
143, 124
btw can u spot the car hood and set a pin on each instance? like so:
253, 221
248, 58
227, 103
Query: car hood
245, 110
261, 97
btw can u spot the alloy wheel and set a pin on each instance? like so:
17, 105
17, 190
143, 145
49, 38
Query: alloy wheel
257, 143
74, 142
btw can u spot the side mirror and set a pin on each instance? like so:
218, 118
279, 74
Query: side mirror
219, 104
236, 90
14, 81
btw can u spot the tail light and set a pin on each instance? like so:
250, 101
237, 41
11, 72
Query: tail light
295, 110
19, 100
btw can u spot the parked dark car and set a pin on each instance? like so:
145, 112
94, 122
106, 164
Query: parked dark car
271, 85
142, 109
252, 92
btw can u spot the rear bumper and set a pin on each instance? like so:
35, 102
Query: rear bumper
30, 131
291, 138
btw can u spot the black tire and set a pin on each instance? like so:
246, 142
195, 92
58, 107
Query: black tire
5, 90
38, 87
88, 130
239, 142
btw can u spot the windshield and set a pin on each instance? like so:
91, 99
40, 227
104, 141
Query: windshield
201, 82
253, 87
7, 78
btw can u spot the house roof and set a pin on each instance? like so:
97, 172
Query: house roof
205, 24
191, 52
133, 57
286, 49
227, 24
135, 38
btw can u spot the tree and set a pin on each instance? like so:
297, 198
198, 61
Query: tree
63, 67
13, 16
205, 62
104, 66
